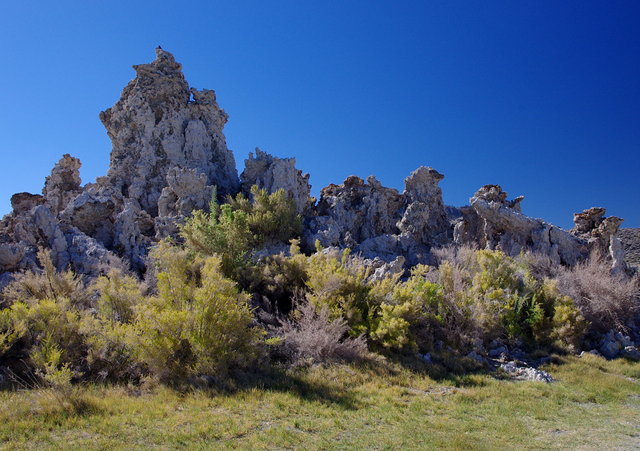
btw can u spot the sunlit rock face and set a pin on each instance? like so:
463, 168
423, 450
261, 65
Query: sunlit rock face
376, 221
168, 151
160, 123
493, 222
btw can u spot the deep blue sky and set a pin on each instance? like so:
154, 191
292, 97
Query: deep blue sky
540, 97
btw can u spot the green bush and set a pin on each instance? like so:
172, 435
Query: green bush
339, 282
47, 331
199, 324
118, 296
413, 313
271, 217
278, 278
234, 229
499, 297
222, 231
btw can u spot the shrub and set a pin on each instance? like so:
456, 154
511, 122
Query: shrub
271, 217
118, 295
235, 228
608, 301
496, 296
222, 231
278, 278
198, 324
407, 310
310, 335
338, 282
47, 331
111, 350
46, 284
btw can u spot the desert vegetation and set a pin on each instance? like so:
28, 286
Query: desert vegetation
197, 315
213, 313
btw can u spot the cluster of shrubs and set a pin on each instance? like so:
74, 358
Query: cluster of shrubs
193, 315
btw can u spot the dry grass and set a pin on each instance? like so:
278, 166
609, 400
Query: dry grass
311, 336
607, 301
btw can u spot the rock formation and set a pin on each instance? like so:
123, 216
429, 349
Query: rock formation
493, 222
380, 222
160, 123
169, 153
601, 234
273, 173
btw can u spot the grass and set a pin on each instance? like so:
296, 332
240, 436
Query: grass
594, 404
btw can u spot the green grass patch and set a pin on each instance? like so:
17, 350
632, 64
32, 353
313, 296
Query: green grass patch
594, 404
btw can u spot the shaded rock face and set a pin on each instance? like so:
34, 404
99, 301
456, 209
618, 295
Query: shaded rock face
168, 154
630, 239
272, 173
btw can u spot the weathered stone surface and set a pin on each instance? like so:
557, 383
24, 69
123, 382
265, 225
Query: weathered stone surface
493, 222
133, 232
524, 373
353, 212
272, 173
601, 233
186, 190
63, 184
87, 256
160, 123
11, 254
425, 218
23, 202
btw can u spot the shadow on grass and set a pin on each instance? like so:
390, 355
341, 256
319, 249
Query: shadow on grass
284, 380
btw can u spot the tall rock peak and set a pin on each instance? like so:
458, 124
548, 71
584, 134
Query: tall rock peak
160, 123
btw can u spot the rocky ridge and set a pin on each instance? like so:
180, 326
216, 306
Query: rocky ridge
168, 154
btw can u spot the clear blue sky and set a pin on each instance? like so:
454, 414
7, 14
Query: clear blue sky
541, 97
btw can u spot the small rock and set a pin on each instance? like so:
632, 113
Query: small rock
522, 373
477, 357
624, 340
425, 357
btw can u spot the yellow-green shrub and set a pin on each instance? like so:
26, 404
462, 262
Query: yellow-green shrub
198, 324
338, 282
119, 293
48, 331
45, 284
233, 229
413, 313
270, 216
